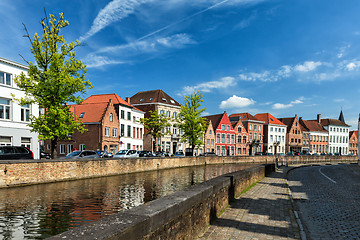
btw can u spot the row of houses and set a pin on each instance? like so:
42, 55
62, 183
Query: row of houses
245, 134
113, 124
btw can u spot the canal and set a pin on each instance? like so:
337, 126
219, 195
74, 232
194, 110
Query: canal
44, 210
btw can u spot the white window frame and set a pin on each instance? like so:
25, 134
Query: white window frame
107, 132
81, 147
25, 113
62, 148
114, 132
70, 148
5, 106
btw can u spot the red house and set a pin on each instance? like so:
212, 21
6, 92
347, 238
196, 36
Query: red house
224, 134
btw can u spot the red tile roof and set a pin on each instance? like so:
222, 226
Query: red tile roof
311, 126
153, 96
336, 122
215, 120
93, 112
101, 98
268, 119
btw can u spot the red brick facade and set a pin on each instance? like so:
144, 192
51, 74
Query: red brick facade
353, 142
294, 136
241, 139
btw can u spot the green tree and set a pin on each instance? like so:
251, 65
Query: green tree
190, 121
156, 125
53, 80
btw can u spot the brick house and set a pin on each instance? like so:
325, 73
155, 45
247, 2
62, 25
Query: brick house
274, 134
158, 100
254, 128
131, 131
294, 141
102, 123
353, 142
317, 136
224, 134
241, 139
209, 138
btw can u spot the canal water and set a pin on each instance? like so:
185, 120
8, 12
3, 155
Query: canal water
44, 210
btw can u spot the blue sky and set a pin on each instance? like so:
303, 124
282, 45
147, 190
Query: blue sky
279, 56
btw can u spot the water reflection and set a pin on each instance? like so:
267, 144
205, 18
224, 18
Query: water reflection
40, 211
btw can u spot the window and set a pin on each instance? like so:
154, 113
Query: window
122, 114
222, 127
255, 136
5, 78
162, 112
4, 108
239, 138
218, 150
210, 132
228, 138
228, 127
259, 127
26, 142
212, 142
111, 117
250, 136
250, 127
232, 139
114, 132
25, 113
107, 132
128, 115
168, 114
271, 129
70, 148
122, 130
81, 147
62, 148
255, 127
239, 129
271, 138
244, 139
174, 114
82, 115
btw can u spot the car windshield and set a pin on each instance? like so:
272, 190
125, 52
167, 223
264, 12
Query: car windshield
75, 153
121, 152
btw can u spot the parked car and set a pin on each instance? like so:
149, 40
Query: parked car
162, 154
206, 154
145, 154
82, 154
104, 154
44, 154
180, 154
14, 152
126, 154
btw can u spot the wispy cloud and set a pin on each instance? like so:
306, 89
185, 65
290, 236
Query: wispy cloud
95, 61
291, 104
114, 11
222, 83
307, 66
236, 102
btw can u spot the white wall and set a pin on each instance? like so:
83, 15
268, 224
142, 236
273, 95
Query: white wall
14, 127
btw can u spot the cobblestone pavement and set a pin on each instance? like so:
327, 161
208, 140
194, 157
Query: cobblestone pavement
327, 199
263, 212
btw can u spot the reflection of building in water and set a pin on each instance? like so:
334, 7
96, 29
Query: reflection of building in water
131, 195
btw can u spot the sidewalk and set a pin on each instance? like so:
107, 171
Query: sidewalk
263, 212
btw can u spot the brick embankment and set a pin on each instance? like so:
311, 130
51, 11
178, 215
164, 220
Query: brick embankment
263, 212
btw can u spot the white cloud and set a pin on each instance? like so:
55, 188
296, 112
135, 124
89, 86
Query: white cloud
307, 66
236, 102
281, 106
353, 65
265, 76
95, 61
223, 83
112, 12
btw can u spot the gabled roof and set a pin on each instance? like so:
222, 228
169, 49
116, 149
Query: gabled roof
92, 112
215, 120
268, 119
336, 122
101, 98
311, 126
153, 96
242, 117
288, 122
351, 133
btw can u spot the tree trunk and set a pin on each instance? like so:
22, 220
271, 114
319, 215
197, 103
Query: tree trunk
54, 148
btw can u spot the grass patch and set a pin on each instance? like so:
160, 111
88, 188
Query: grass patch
249, 187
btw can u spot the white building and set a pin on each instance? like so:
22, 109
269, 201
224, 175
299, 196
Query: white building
338, 135
14, 119
274, 134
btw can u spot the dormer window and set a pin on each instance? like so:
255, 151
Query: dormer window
164, 99
151, 99
172, 101
141, 100
82, 115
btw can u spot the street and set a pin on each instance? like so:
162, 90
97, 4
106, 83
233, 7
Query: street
327, 199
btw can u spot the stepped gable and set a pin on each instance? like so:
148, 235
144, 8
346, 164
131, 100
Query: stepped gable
153, 96
268, 119
215, 120
92, 112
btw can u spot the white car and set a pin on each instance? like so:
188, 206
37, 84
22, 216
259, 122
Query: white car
126, 154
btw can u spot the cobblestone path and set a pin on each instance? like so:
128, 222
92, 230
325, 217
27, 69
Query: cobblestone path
263, 212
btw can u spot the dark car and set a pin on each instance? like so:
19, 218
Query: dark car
82, 154
44, 154
145, 154
14, 152
104, 154
179, 154
162, 154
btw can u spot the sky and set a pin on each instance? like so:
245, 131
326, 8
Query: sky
277, 56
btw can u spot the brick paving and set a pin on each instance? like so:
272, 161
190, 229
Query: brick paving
263, 212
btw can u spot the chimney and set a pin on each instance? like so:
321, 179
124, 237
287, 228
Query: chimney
319, 118
127, 100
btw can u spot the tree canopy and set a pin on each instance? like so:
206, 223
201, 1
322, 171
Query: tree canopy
156, 125
55, 79
190, 121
